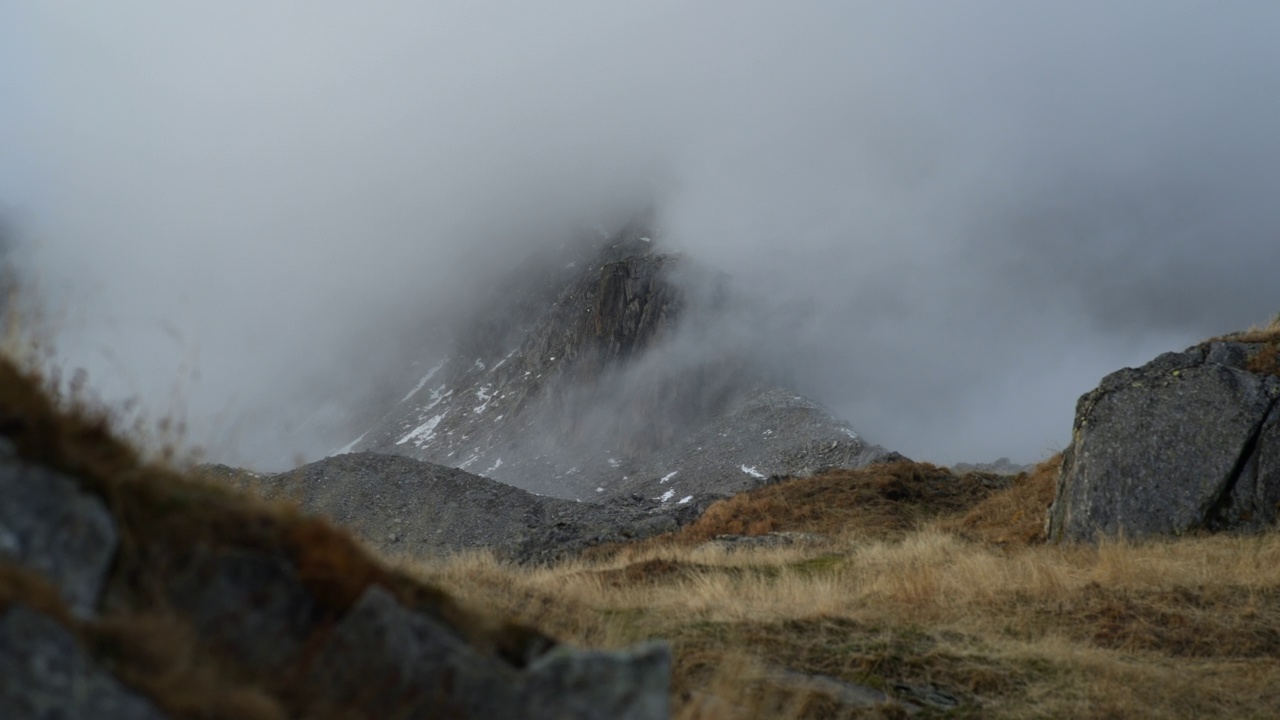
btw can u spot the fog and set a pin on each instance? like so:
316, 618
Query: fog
955, 217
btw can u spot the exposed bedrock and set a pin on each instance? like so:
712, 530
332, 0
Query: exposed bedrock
1190, 441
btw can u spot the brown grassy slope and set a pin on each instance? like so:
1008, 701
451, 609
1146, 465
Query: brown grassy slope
1256, 334
965, 601
883, 498
165, 519
1015, 515
1265, 360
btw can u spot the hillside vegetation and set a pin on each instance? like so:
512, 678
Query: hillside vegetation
946, 602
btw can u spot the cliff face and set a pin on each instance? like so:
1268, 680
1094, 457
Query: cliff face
589, 382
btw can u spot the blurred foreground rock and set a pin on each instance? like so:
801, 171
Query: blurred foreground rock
49, 524
396, 663
144, 595
46, 673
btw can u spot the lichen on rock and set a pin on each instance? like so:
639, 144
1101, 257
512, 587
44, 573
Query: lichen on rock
1188, 442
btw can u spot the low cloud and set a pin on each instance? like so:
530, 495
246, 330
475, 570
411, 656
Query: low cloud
950, 220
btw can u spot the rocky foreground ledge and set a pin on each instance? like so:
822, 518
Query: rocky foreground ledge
130, 591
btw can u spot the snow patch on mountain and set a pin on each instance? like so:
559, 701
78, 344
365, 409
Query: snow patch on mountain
485, 395
423, 434
425, 379
437, 395
349, 446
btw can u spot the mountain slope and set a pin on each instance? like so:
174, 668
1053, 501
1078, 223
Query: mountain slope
408, 507
608, 386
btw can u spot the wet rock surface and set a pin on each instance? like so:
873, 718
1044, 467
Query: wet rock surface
1189, 441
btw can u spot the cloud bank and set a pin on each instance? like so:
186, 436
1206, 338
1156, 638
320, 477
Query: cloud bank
960, 216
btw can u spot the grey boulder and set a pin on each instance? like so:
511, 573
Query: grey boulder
47, 523
46, 675
1189, 441
628, 684
392, 662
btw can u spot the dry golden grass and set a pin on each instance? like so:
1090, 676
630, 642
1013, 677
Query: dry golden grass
882, 498
1267, 360
1012, 627
880, 501
1016, 515
1268, 333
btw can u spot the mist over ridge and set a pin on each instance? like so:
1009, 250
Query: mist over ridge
944, 223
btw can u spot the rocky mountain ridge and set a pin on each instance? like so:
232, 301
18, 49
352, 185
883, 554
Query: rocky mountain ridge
613, 388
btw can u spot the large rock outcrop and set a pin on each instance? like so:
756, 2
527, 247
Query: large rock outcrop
130, 592
1189, 441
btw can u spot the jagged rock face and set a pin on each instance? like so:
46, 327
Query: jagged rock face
607, 389
1189, 441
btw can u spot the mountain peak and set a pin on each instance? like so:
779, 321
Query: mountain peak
590, 381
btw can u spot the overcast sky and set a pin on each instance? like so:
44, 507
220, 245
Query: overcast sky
964, 213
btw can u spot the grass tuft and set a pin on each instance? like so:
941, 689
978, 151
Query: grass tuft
1266, 361
1015, 516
